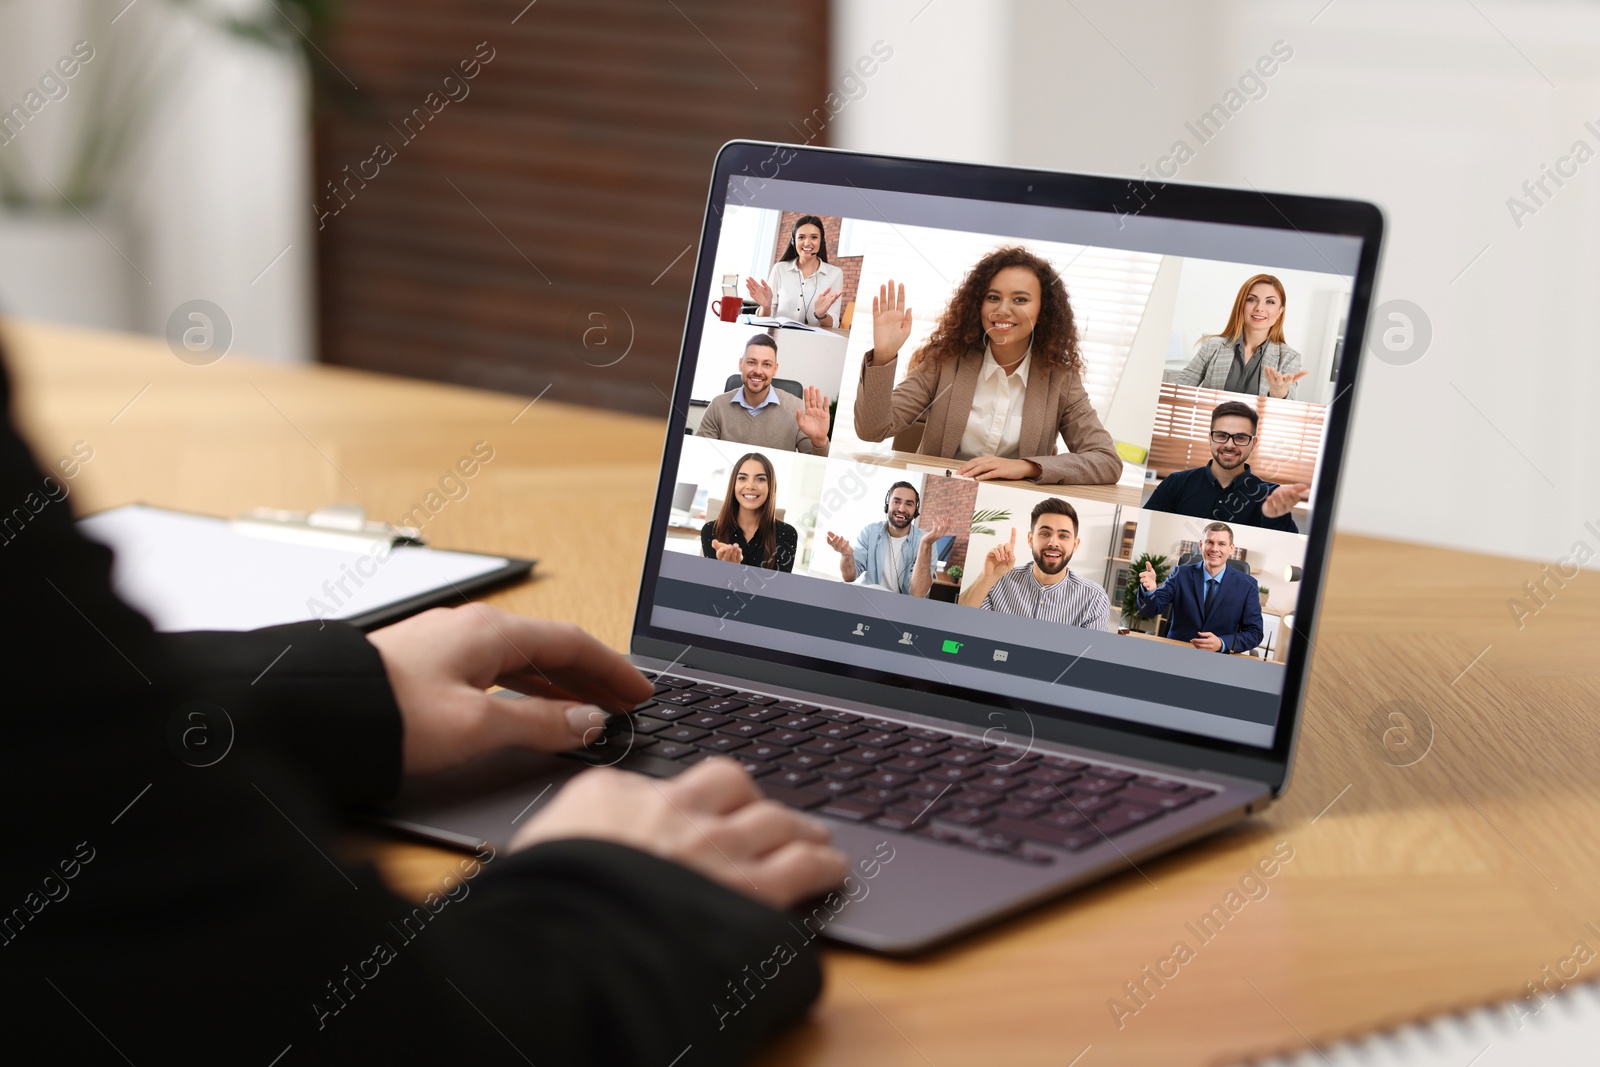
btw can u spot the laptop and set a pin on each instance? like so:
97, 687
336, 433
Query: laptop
987, 726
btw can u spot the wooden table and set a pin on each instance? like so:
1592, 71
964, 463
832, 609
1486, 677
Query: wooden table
1413, 888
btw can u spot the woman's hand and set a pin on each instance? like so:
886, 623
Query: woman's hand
1278, 384
761, 293
727, 553
821, 303
711, 818
891, 322
993, 468
440, 662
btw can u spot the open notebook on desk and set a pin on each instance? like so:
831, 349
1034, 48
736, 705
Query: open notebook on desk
196, 572
1555, 1030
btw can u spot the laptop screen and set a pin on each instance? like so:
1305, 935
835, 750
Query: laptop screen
1068, 457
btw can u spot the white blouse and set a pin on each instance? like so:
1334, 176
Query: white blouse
994, 426
793, 296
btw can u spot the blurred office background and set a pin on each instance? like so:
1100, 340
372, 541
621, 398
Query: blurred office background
546, 162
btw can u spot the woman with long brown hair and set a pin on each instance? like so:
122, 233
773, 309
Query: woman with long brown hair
999, 379
1250, 355
746, 529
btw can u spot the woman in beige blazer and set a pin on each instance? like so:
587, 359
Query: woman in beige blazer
996, 382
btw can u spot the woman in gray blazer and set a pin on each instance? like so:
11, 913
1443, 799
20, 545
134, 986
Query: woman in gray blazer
997, 382
1250, 355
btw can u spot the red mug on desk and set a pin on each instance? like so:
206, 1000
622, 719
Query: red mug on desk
727, 308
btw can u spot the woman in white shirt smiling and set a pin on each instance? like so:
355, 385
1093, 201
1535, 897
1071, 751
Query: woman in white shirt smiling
802, 285
998, 381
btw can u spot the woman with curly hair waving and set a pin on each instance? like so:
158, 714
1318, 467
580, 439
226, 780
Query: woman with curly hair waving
998, 380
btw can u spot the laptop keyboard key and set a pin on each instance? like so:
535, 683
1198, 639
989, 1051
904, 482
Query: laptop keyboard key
805, 760
838, 730
850, 808
997, 783
799, 722
922, 747
642, 724
832, 787
844, 770
974, 798
841, 716
826, 745
947, 773
681, 733
682, 697
875, 795
797, 707
754, 698
927, 790
722, 743
764, 750
967, 816
720, 705
1095, 786
1049, 774
910, 764
963, 757
887, 779
705, 720
868, 756
793, 777
1020, 809
756, 713
1166, 785
783, 794
879, 739
1120, 818
672, 750
740, 728
713, 690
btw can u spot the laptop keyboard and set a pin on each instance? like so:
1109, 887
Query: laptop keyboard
913, 779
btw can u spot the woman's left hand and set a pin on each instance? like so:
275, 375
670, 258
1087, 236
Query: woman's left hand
1278, 384
823, 301
993, 468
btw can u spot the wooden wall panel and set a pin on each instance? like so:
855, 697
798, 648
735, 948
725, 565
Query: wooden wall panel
559, 183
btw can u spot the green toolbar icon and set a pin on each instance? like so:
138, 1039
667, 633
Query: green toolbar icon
952, 647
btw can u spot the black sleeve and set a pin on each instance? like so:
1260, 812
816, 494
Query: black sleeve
172, 891
788, 545
706, 533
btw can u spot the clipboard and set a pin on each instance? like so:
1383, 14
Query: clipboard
199, 572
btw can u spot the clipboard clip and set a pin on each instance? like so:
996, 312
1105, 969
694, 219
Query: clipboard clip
335, 520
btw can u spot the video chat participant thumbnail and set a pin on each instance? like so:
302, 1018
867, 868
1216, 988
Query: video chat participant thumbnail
1255, 326
746, 529
802, 284
759, 413
999, 378
1225, 488
1043, 588
895, 554
1214, 607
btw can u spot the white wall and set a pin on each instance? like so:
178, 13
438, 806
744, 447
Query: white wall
1437, 110
217, 188
1133, 409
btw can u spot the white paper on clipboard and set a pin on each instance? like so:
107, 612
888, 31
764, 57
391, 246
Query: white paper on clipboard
195, 572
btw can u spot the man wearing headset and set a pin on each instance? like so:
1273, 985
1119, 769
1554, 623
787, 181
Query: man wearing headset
895, 554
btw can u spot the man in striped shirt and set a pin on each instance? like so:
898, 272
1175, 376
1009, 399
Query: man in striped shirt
1045, 588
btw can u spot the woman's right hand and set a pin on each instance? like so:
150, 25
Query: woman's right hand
891, 322
728, 553
761, 293
711, 819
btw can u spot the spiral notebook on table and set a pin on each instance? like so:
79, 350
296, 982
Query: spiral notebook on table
198, 572
1557, 1030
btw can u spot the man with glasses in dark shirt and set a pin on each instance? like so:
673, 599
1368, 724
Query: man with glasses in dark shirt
1225, 489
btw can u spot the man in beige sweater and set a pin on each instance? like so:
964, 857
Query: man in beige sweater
758, 414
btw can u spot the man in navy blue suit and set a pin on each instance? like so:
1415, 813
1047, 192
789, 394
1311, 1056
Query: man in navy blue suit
1214, 607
